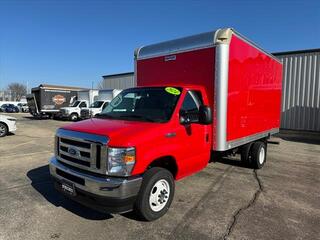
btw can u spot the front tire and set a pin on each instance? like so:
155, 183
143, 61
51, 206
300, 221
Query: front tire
258, 154
74, 117
3, 130
156, 194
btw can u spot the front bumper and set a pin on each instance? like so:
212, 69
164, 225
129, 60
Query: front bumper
106, 194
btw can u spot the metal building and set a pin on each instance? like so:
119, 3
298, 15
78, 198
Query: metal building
118, 81
300, 90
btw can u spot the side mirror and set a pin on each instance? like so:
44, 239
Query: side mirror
205, 115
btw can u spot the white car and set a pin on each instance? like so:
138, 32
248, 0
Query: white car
7, 124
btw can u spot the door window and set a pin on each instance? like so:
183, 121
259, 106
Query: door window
83, 105
191, 104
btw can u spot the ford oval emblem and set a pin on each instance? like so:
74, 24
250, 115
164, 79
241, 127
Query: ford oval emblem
72, 151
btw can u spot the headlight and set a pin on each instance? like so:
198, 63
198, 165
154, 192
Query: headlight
121, 161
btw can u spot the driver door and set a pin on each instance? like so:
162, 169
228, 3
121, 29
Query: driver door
195, 136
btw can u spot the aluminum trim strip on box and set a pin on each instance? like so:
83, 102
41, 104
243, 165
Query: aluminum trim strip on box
251, 138
221, 96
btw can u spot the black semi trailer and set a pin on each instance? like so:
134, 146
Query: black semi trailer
46, 100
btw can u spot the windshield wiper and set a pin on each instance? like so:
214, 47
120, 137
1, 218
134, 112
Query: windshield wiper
138, 116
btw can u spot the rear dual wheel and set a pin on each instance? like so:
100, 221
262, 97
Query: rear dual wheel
258, 154
254, 154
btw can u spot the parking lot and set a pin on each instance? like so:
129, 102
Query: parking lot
224, 201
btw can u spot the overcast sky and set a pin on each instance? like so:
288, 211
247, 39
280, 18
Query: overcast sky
76, 42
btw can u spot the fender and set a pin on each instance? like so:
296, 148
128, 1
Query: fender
148, 153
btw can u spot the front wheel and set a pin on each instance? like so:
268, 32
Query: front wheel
3, 130
156, 194
74, 117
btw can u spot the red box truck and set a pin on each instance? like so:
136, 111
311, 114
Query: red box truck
215, 93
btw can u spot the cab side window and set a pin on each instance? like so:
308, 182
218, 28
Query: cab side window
192, 101
83, 105
191, 104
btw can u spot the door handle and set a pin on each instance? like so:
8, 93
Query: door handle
171, 134
207, 137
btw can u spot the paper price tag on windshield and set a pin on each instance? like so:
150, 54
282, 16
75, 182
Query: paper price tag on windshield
173, 90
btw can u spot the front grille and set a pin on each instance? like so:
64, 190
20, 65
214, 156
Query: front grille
85, 113
74, 160
86, 153
63, 111
75, 143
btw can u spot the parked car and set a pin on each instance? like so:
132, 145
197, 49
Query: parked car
10, 108
7, 124
2, 108
23, 107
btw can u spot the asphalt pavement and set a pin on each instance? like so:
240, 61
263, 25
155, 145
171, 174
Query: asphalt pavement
224, 201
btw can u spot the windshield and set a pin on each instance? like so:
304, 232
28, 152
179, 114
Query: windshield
75, 104
96, 104
154, 104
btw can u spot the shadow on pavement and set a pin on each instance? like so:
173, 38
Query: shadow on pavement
232, 162
34, 118
42, 182
301, 137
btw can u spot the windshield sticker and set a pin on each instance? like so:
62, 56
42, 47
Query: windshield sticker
173, 90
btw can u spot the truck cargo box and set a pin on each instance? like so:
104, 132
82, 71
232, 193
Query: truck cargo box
48, 99
243, 81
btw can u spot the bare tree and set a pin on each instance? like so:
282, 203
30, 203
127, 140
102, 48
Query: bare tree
17, 90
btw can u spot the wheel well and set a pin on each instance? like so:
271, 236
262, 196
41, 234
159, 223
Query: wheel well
166, 162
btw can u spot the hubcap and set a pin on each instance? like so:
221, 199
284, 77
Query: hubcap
2, 130
159, 195
261, 155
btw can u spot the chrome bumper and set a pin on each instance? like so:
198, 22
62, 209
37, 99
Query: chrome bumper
112, 187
